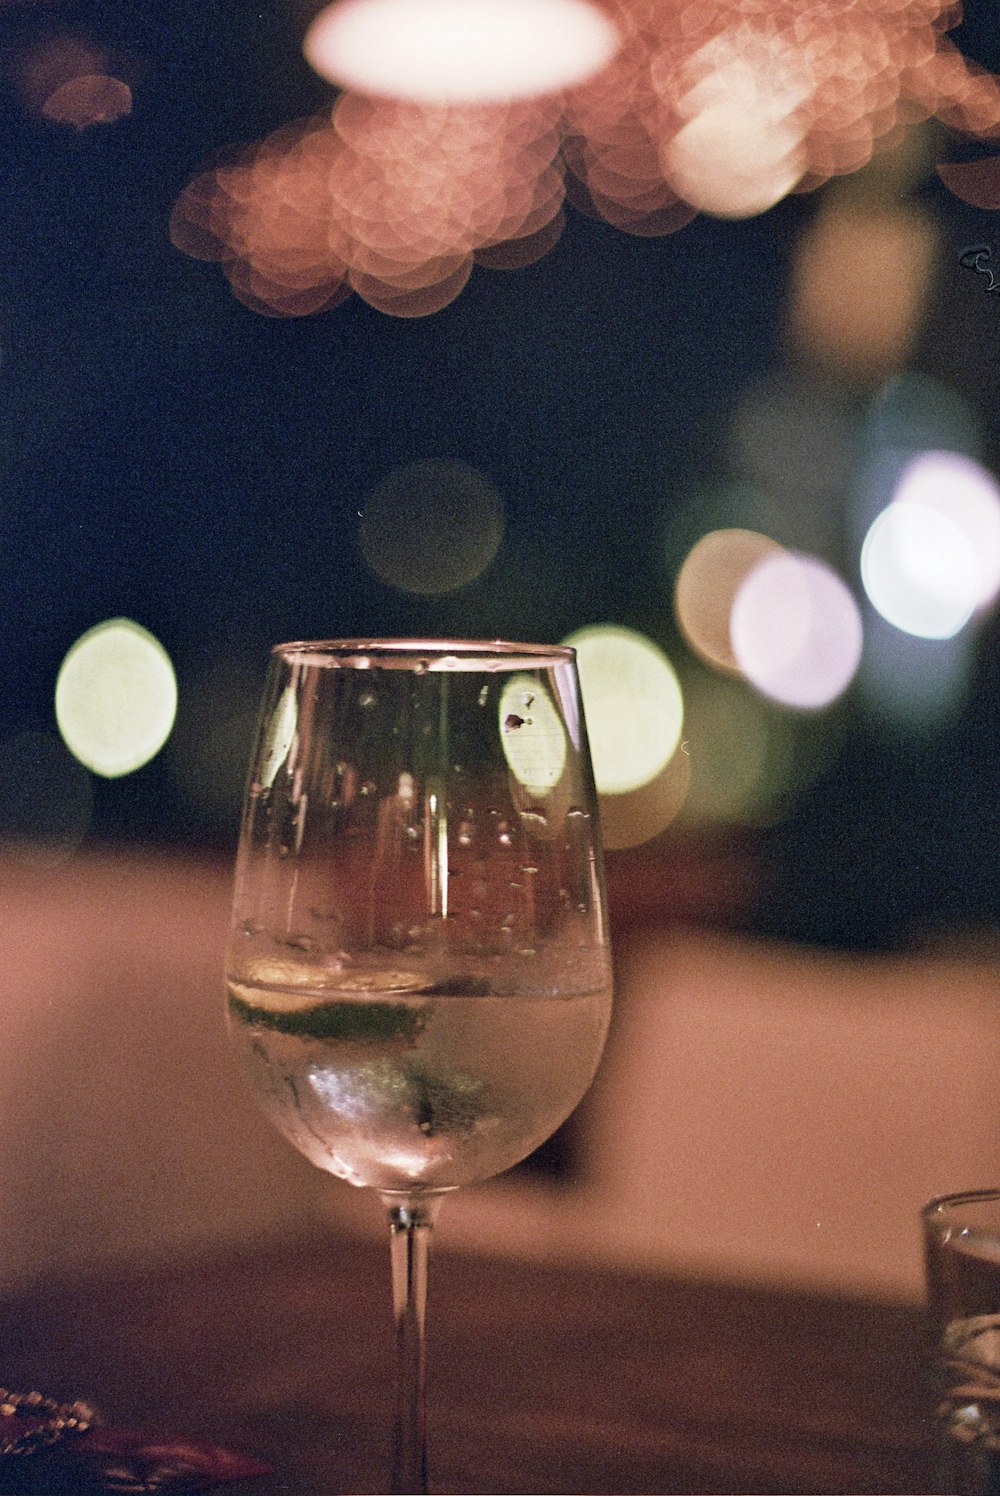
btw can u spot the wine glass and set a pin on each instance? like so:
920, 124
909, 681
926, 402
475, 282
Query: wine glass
419, 972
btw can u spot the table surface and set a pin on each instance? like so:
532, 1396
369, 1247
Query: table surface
541, 1378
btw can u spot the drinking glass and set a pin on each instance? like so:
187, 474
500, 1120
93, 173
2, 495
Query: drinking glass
419, 972
962, 1242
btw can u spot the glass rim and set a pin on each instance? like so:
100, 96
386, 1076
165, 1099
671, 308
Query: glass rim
435, 654
942, 1205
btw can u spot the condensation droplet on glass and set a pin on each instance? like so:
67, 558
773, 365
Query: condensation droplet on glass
368, 788
507, 923
421, 667
466, 834
484, 695
505, 839
529, 869
367, 699
577, 813
528, 698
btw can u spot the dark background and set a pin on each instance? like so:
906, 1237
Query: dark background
169, 455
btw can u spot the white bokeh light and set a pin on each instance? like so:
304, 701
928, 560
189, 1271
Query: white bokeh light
532, 734
459, 51
796, 631
739, 151
920, 571
633, 703
962, 490
116, 698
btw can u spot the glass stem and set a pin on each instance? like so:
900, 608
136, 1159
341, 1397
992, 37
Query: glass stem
411, 1220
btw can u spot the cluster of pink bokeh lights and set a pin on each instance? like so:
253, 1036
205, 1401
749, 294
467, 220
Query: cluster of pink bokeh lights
705, 106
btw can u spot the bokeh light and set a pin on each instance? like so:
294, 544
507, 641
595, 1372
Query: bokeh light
750, 758
796, 631
707, 584
911, 682
721, 109
919, 570
459, 51
975, 182
65, 77
279, 736
633, 703
860, 280
962, 490
115, 698
914, 412
45, 807
793, 440
432, 526
91, 99
532, 734
931, 558
740, 148
392, 201
632, 817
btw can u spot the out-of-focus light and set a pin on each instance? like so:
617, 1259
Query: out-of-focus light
394, 201
919, 570
916, 683
678, 108
914, 412
91, 99
68, 79
116, 698
860, 279
707, 584
718, 108
793, 437
636, 816
750, 759
46, 803
975, 182
432, 527
739, 150
279, 736
532, 734
796, 631
463, 51
962, 491
633, 702
931, 557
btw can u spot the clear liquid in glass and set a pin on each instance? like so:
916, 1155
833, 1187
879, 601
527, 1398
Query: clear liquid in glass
403, 1085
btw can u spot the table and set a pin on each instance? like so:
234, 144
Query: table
541, 1378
